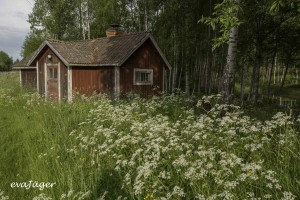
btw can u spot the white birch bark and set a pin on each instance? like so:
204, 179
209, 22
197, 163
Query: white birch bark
187, 81
229, 70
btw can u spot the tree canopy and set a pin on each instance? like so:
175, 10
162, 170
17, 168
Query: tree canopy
5, 61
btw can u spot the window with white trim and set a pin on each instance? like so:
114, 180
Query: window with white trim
52, 73
143, 76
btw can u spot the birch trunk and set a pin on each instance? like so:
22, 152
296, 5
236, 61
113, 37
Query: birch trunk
296, 77
229, 70
270, 74
256, 71
244, 75
187, 80
255, 81
145, 16
174, 71
275, 72
174, 78
284, 76
258, 58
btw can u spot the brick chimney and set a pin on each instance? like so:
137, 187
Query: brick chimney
114, 30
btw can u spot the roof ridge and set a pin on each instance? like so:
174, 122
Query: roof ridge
53, 40
134, 33
100, 38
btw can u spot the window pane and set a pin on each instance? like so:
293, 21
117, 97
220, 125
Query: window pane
143, 76
52, 73
55, 73
138, 76
147, 77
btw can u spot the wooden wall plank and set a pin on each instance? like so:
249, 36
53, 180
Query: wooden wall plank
28, 77
87, 80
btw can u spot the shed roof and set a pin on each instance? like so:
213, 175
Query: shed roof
25, 62
106, 51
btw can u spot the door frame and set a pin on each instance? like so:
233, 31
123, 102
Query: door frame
46, 65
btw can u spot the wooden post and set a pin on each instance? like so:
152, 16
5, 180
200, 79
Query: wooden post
45, 80
20, 77
70, 95
37, 77
116, 82
59, 88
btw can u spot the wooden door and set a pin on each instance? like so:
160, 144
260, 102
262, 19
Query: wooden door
52, 82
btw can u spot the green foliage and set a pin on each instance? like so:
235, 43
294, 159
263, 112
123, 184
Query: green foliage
5, 61
277, 5
56, 18
32, 41
65, 19
104, 13
224, 17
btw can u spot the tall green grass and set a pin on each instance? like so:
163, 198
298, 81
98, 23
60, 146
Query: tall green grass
29, 128
134, 148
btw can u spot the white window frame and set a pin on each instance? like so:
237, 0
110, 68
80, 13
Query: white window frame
142, 70
51, 73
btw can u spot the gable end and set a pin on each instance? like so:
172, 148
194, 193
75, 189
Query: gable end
40, 49
149, 36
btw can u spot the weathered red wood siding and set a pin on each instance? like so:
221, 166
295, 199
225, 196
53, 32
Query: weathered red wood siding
146, 57
28, 77
63, 72
87, 80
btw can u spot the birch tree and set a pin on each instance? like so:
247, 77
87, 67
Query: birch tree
85, 20
225, 17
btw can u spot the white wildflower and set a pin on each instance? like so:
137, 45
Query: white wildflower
42, 196
103, 196
178, 191
2, 196
268, 196
288, 196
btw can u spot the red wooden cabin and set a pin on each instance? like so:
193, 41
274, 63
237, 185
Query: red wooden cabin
116, 64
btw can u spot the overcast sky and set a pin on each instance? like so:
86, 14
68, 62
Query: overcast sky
13, 25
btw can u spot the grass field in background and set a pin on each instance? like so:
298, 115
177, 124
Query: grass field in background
170, 147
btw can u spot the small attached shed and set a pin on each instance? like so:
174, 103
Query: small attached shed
116, 64
28, 77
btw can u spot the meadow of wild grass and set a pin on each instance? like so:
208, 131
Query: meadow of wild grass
159, 148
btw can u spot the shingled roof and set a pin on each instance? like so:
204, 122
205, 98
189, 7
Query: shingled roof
112, 51
25, 62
